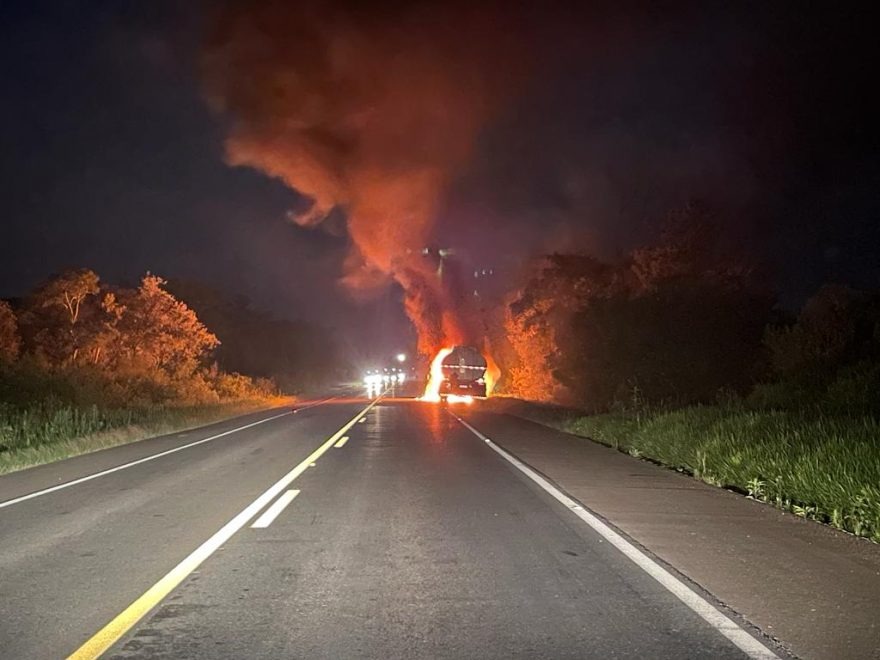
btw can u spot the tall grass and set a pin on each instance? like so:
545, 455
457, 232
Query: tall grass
50, 414
819, 466
49, 421
51, 430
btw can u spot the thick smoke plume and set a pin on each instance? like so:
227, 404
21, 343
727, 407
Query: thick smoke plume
368, 113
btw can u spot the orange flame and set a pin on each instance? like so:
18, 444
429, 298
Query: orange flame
435, 379
493, 373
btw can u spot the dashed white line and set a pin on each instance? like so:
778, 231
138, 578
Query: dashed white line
275, 510
341, 442
102, 640
726, 626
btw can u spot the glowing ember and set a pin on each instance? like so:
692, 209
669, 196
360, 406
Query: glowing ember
432, 389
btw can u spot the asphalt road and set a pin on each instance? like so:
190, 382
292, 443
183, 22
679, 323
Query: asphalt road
412, 538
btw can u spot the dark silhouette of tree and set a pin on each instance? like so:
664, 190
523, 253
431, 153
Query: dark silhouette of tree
684, 341
838, 326
676, 320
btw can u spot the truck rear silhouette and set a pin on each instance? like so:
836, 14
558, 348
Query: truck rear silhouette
464, 373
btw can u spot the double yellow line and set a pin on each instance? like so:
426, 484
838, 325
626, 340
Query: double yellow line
123, 622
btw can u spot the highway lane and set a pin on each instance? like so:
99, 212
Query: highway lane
72, 559
412, 538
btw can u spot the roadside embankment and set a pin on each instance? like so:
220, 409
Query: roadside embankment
47, 431
817, 466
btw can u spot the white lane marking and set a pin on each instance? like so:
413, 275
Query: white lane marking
727, 627
275, 510
341, 442
362, 420
125, 466
125, 620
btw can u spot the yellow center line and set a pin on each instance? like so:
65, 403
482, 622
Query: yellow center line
107, 636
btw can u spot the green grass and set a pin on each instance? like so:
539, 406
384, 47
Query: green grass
818, 466
50, 431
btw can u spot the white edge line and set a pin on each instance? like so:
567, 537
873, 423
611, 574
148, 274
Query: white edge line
341, 442
130, 616
275, 510
124, 466
723, 624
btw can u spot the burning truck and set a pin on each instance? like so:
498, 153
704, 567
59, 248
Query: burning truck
457, 373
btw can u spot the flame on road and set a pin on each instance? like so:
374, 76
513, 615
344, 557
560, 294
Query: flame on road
435, 379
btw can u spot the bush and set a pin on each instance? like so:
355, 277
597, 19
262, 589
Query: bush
230, 387
855, 390
851, 390
837, 327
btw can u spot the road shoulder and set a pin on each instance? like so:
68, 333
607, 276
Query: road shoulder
813, 588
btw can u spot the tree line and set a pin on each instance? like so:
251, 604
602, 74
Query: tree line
78, 337
680, 321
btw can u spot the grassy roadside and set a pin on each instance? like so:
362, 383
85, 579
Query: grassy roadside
50, 432
817, 466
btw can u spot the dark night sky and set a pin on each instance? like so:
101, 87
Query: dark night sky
111, 160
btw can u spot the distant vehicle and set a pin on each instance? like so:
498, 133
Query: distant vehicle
384, 376
464, 373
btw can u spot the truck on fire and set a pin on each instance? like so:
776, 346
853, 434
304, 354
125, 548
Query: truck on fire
464, 373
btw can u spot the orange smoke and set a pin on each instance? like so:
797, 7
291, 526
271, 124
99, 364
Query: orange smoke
430, 307
371, 113
435, 376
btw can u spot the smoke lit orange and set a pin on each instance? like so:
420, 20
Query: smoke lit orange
370, 115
